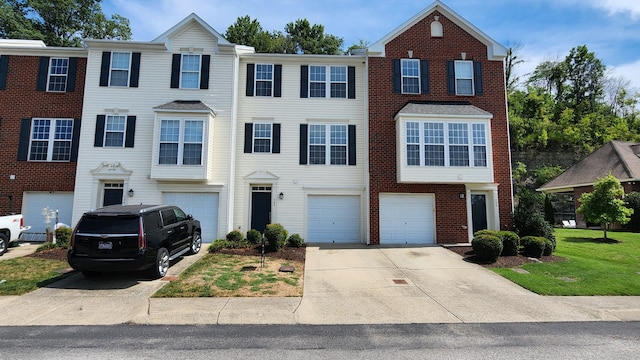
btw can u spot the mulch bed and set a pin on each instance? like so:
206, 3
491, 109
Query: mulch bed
503, 261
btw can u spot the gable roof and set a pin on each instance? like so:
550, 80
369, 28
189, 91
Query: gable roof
193, 18
621, 158
495, 51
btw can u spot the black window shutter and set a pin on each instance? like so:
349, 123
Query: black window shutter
304, 81
75, 140
397, 76
303, 144
250, 77
23, 144
451, 78
275, 148
204, 71
352, 144
43, 71
130, 135
424, 76
477, 77
248, 138
277, 81
99, 136
351, 82
71, 74
4, 70
175, 71
135, 70
104, 68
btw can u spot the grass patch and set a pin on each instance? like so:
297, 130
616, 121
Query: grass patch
26, 274
223, 275
593, 267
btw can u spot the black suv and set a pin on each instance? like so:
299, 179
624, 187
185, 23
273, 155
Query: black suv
132, 238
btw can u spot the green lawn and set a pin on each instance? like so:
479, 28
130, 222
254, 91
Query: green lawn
24, 274
592, 266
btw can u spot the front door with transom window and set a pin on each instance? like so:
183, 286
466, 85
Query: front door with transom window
479, 212
260, 207
113, 193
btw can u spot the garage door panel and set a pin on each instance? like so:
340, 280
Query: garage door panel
203, 207
407, 219
333, 219
34, 202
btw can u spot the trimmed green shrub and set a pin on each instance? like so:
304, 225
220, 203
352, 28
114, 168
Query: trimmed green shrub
276, 236
254, 236
510, 243
632, 201
528, 219
533, 246
486, 232
63, 236
220, 244
235, 236
487, 247
548, 247
295, 240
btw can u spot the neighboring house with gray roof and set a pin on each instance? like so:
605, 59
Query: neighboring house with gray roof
621, 158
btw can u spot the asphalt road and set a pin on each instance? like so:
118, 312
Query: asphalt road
583, 340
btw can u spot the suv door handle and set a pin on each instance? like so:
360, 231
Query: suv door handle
169, 231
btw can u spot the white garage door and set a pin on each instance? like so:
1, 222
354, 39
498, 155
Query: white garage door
34, 202
203, 206
407, 219
333, 219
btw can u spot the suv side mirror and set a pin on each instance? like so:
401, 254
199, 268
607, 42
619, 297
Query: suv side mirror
189, 217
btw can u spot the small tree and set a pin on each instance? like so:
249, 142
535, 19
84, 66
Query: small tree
604, 204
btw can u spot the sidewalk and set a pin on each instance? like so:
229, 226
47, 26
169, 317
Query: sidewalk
354, 285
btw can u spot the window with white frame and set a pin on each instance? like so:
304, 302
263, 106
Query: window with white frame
262, 135
120, 67
264, 79
51, 140
190, 71
58, 71
114, 130
410, 76
464, 77
446, 144
328, 144
321, 87
181, 142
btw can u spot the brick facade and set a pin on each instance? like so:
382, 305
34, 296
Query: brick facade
451, 211
20, 100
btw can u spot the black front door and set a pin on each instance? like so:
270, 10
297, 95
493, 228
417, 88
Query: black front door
112, 194
260, 210
479, 212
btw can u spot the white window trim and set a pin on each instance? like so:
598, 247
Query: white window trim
255, 137
402, 76
124, 131
256, 80
328, 144
51, 140
182, 142
111, 68
447, 160
327, 82
182, 71
50, 75
457, 77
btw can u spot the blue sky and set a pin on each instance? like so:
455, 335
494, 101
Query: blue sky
547, 29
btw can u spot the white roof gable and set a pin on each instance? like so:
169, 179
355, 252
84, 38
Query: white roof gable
494, 49
193, 18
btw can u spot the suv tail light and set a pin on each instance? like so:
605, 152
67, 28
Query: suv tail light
142, 239
72, 241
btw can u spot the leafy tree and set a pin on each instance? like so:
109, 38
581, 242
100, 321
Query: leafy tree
512, 60
311, 39
584, 75
362, 44
60, 22
604, 204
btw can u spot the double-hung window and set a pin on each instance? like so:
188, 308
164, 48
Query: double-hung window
190, 71
338, 82
464, 77
264, 79
181, 142
328, 144
334, 85
114, 130
317, 81
262, 136
120, 67
51, 140
446, 144
410, 76
58, 72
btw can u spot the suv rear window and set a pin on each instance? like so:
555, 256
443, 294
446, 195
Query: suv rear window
109, 225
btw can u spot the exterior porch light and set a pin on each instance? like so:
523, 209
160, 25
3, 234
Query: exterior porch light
130, 192
281, 196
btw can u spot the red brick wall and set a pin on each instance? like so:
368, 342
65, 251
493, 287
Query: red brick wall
451, 212
21, 100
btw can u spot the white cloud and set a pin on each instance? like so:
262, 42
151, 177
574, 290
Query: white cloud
629, 71
614, 7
